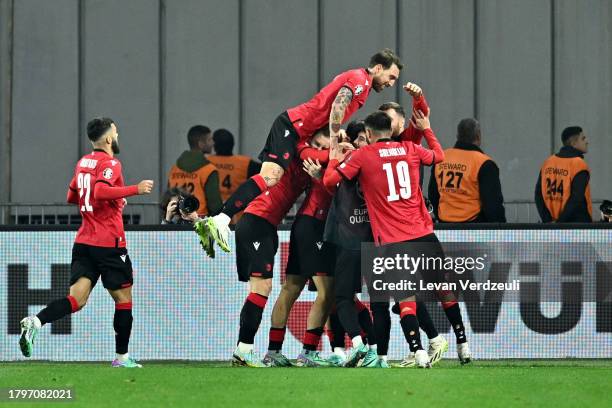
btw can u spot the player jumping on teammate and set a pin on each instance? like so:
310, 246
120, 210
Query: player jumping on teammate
333, 105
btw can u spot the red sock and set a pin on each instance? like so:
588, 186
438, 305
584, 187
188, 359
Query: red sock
276, 338
312, 338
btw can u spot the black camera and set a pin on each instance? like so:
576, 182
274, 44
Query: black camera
188, 204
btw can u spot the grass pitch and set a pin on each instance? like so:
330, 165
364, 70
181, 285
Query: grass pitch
533, 383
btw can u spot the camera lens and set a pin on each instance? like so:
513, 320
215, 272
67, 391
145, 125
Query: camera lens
188, 204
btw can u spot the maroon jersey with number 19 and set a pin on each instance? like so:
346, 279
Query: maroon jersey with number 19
102, 224
388, 173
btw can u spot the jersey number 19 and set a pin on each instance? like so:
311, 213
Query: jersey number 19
403, 178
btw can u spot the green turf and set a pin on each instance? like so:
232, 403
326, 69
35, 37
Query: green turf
534, 383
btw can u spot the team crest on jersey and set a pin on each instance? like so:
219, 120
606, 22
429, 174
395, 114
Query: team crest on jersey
319, 245
358, 90
107, 173
256, 245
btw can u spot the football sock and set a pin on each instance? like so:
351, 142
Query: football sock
365, 321
382, 325
425, 321
58, 309
335, 332
277, 337
410, 325
122, 323
453, 313
348, 315
246, 193
245, 348
312, 338
250, 317
122, 357
357, 341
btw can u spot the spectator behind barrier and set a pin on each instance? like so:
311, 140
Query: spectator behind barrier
563, 191
465, 187
195, 174
233, 169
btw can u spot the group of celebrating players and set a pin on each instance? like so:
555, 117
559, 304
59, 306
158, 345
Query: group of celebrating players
362, 184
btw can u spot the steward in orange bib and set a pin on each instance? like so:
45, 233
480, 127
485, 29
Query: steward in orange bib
562, 192
194, 173
465, 186
233, 169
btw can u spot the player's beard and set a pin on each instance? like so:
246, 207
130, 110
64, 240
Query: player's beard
115, 147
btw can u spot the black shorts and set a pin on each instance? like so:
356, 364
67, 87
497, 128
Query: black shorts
256, 246
309, 255
281, 144
92, 262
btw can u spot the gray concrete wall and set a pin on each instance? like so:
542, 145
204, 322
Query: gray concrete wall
524, 68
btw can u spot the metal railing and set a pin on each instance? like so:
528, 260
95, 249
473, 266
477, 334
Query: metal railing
66, 214
517, 211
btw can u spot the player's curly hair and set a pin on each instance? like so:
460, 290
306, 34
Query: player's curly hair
98, 127
386, 57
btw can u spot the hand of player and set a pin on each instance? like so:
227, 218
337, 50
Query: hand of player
335, 151
171, 209
419, 120
343, 137
346, 147
145, 187
314, 169
191, 217
413, 89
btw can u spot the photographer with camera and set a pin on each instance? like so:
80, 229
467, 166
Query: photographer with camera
179, 207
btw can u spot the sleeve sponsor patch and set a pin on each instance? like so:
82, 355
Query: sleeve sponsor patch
107, 173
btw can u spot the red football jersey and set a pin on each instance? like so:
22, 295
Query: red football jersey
317, 201
276, 202
314, 114
388, 173
102, 219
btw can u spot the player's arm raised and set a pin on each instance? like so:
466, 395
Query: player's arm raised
434, 154
419, 103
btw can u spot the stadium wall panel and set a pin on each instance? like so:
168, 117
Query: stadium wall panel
45, 99
120, 79
187, 307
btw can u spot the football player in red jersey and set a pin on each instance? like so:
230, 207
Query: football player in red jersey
380, 310
397, 208
99, 248
332, 105
309, 258
256, 247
